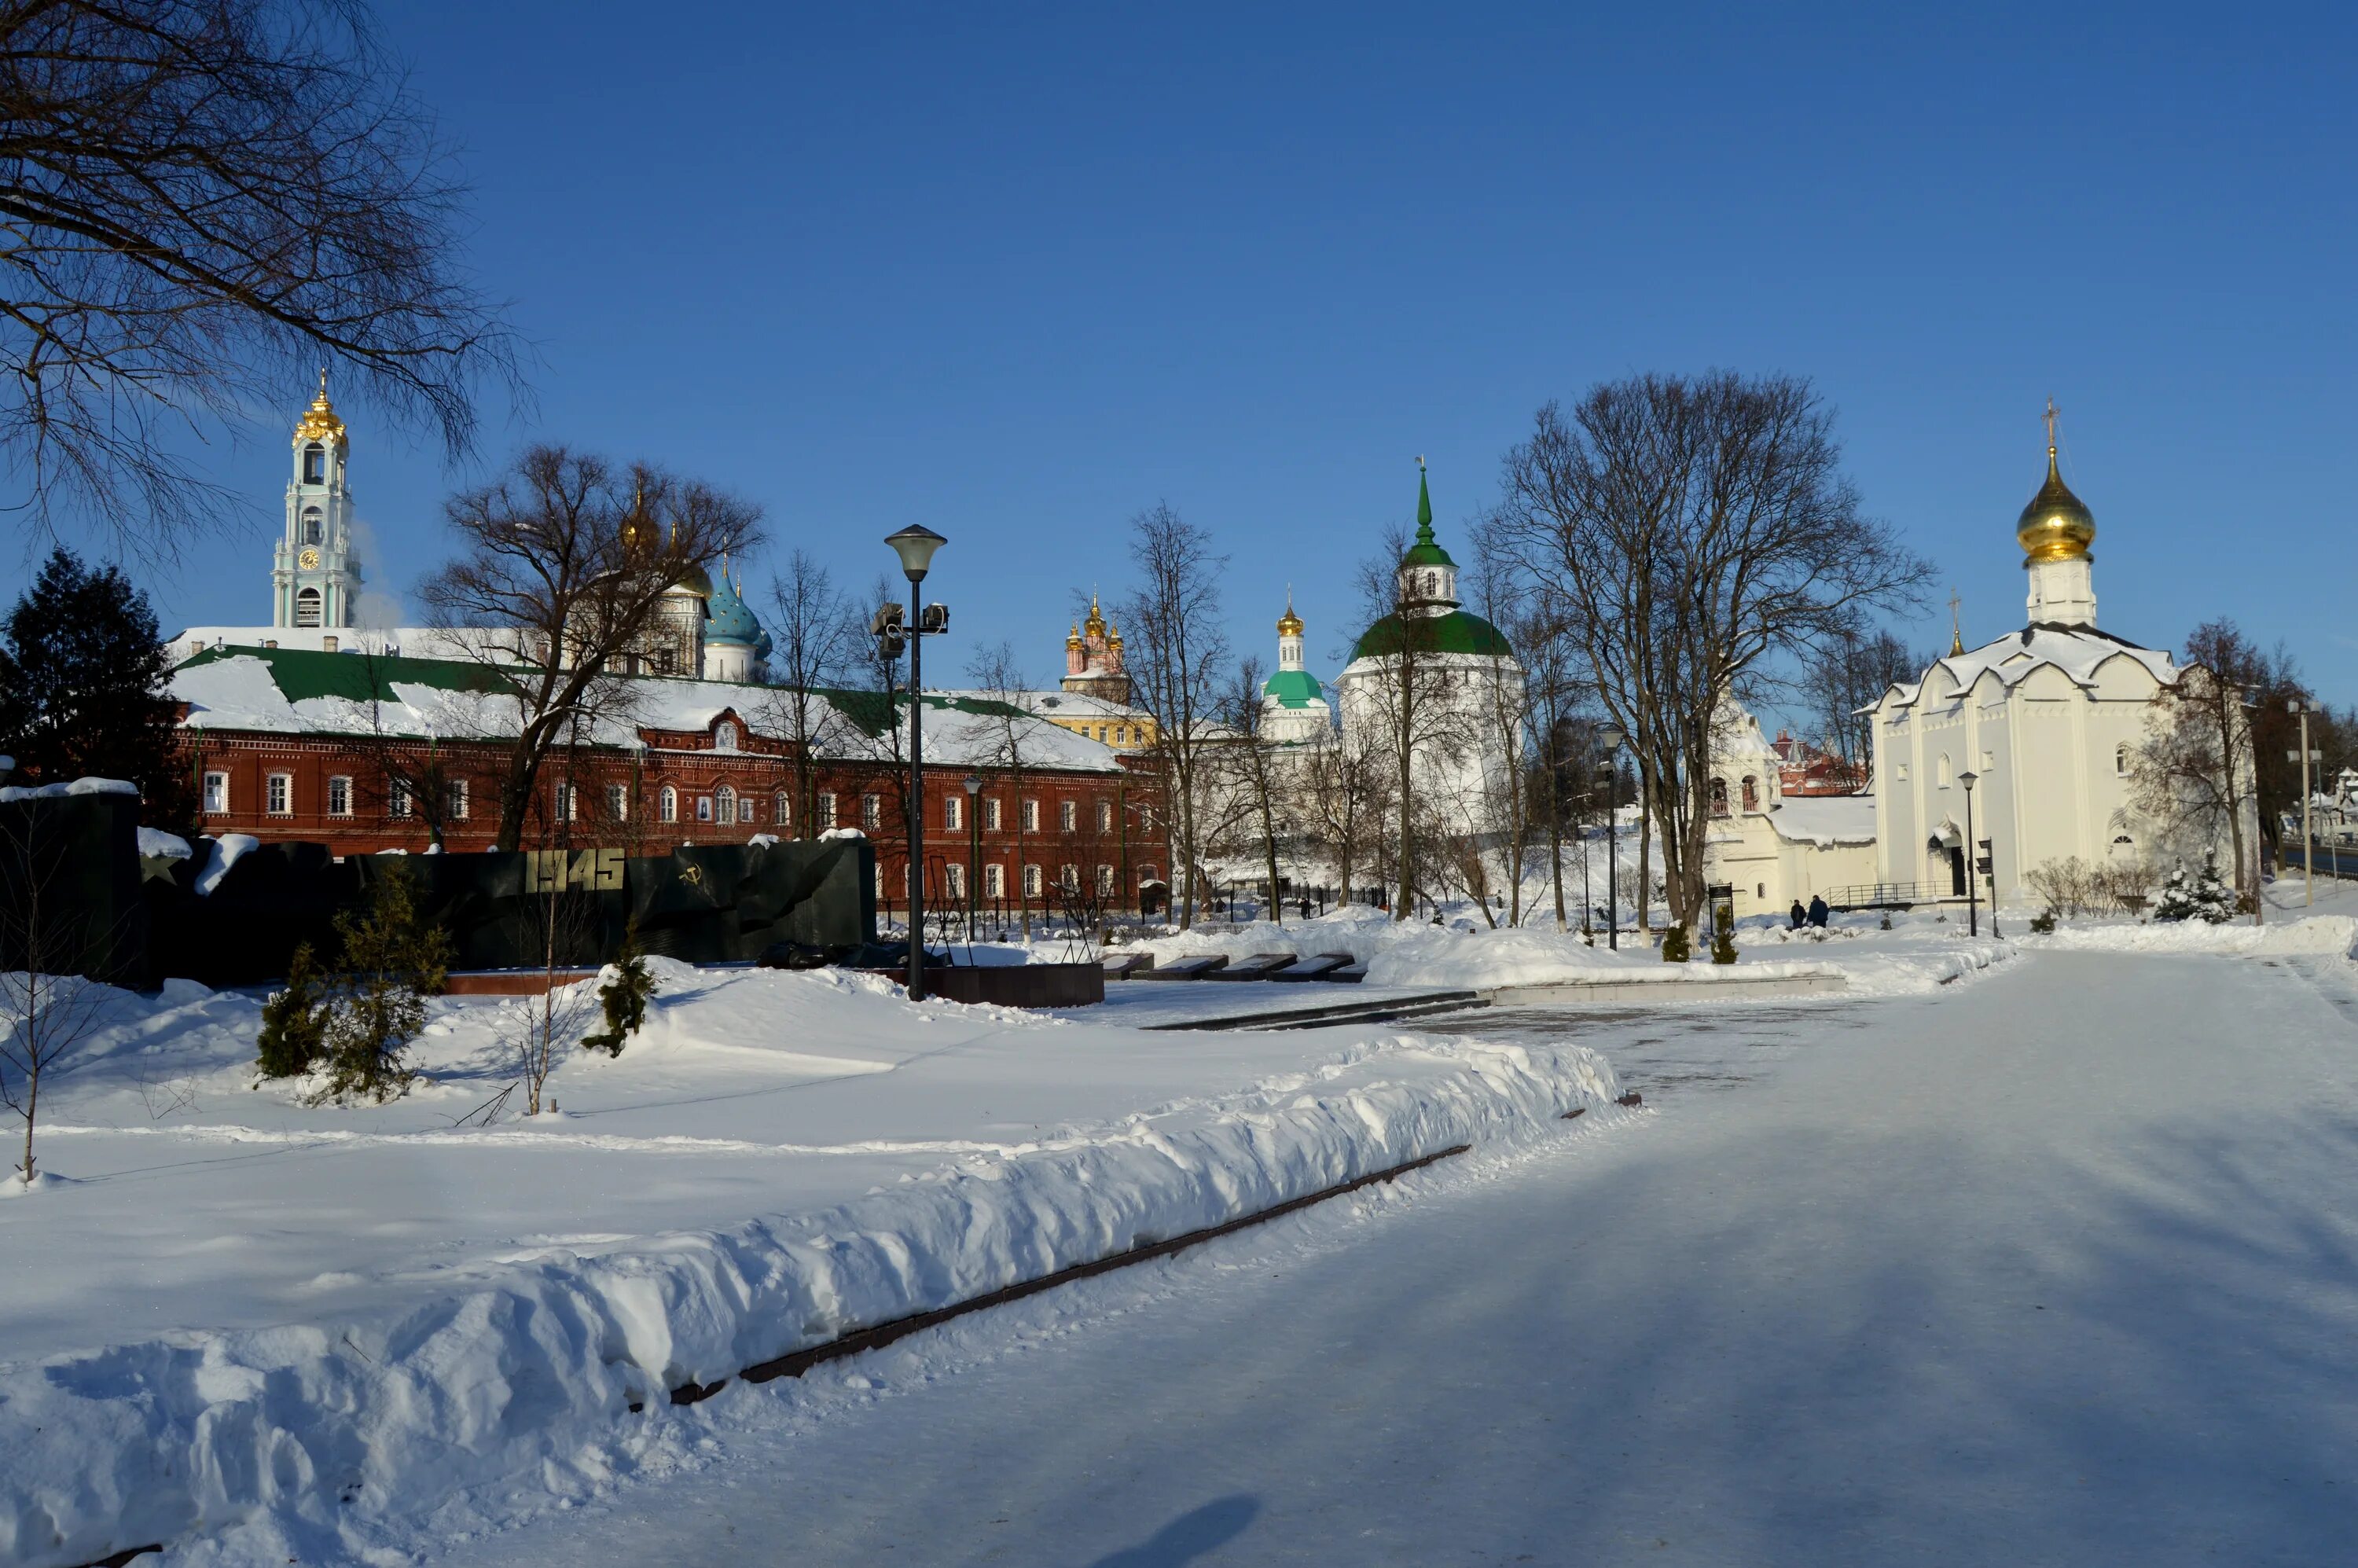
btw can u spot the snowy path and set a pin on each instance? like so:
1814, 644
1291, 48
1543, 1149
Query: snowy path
2059, 1267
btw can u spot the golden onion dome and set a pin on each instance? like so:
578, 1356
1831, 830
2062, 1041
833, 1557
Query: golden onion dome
1288, 624
320, 421
695, 582
2056, 525
1074, 641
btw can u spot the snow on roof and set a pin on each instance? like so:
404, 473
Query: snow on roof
1060, 704
298, 691
1825, 819
2077, 651
417, 641
71, 786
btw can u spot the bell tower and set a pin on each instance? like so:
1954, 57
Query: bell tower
314, 578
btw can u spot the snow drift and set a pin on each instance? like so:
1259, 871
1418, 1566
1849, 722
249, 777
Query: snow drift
292, 1440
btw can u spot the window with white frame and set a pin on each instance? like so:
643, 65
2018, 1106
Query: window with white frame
994, 881
954, 879
990, 813
457, 795
827, 811
216, 792
1068, 877
278, 794
667, 805
2121, 761
724, 805
704, 808
954, 812
1032, 881
398, 802
1068, 815
339, 796
872, 812
1105, 817
567, 803
1105, 882
780, 813
1031, 816
618, 803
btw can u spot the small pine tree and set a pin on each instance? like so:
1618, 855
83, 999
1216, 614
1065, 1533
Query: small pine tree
2203, 898
293, 1021
1723, 945
623, 996
393, 961
1675, 946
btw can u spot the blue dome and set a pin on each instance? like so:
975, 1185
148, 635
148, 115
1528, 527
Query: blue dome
732, 625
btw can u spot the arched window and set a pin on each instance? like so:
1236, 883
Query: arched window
1940, 770
778, 812
312, 526
724, 805
2121, 761
1719, 798
315, 464
1751, 792
669, 806
306, 608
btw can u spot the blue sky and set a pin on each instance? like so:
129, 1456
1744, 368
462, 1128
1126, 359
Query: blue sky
1019, 271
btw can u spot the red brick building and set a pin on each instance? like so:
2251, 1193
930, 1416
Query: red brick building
337, 749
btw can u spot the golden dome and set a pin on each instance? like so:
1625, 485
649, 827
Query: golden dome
320, 422
2056, 525
695, 582
1288, 624
1096, 625
1075, 640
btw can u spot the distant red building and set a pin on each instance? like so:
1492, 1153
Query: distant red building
1805, 770
296, 744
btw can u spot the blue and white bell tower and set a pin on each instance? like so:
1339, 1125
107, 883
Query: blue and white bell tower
314, 579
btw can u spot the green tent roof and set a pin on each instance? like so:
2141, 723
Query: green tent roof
1455, 632
1427, 551
1293, 689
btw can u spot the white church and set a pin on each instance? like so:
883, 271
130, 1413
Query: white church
2040, 727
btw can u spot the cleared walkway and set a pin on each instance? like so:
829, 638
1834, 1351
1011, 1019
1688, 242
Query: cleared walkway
2059, 1267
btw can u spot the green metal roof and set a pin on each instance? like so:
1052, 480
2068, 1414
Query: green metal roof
1455, 632
1293, 688
303, 674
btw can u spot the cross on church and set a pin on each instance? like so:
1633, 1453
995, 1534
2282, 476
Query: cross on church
1956, 626
2051, 412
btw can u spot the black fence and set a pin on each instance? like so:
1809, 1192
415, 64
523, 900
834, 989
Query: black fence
70, 887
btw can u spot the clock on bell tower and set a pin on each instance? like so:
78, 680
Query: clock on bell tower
314, 577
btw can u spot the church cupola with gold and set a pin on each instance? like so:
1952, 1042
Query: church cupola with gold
314, 577
2055, 531
1093, 658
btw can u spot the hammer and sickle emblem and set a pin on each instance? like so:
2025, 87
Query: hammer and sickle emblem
692, 875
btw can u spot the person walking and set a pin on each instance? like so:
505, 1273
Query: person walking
1819, 911
1799, 917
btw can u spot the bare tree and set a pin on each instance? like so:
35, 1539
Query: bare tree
1419, 720
1501, 816
1345, 787
558, 589
1254, 774
997, 674
52, 948
815, 645
1556, 685
560, 922
1691, 529
1178, 658
1849, 671
2196, 773
202, 199
400, 767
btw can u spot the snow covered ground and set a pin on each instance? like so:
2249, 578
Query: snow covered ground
243, 1320
2054, 1268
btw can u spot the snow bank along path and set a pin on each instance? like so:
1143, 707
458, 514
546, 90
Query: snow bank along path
304, 1433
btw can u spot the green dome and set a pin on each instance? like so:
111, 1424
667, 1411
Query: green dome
1455, 632
1293, 689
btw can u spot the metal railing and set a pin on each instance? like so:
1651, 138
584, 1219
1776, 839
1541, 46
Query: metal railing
1889, 896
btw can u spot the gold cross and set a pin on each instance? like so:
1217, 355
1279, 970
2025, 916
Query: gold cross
2051, 412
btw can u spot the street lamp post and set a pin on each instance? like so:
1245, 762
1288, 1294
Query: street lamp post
915, 545
2308, 842
1973, 860
973, 855
1610, 737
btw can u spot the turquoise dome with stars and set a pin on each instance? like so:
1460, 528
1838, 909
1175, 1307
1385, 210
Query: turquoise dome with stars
733, 625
